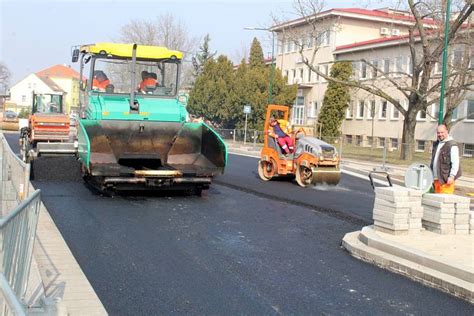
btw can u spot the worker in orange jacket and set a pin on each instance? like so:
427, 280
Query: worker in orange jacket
100, 81
148, 81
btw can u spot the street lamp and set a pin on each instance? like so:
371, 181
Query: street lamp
272, 70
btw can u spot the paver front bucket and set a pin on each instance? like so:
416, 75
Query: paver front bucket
153, 154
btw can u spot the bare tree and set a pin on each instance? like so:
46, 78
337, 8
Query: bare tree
420, 85
4, 77
164, 31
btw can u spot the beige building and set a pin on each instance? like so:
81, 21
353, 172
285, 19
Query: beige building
352, 34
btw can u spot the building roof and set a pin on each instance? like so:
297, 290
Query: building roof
389, 15
51, 84
60, 71
388, 40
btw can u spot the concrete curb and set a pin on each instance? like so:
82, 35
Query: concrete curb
449, 277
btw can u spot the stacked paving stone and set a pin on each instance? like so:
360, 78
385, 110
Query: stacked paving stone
446, 213
397, 210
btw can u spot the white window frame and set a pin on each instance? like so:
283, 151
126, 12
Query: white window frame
313, 109
467, 111
418, 143
399, 61
379, 145
360, 105
464, 154
434, 109
363, 71
418, 116
370, 115
392, 113
385, 62
381, 110
298, 112
375, 64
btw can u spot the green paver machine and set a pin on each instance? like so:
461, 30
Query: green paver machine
133, 132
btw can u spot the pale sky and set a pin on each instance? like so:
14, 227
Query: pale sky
36, 34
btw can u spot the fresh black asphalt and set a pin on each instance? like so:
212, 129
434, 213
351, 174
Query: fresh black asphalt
235, 250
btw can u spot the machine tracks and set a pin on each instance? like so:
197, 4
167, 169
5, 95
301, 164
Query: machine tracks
327, 211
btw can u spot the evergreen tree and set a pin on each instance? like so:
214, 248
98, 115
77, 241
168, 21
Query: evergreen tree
336, 100
256, 59
211, 92
202, 56
220, 92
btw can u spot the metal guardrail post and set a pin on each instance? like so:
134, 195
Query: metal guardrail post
10, 298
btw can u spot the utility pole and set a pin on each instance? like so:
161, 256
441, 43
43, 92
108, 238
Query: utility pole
445, 61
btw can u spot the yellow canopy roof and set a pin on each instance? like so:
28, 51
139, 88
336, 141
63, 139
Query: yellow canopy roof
125, 50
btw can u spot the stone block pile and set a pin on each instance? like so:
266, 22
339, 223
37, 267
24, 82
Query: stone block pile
397, 210
446, 214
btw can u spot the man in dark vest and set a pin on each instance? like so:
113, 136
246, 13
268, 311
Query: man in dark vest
445, 161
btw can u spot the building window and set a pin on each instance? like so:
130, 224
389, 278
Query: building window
454, 114
363, 70
349, 139
386, 66
298, 111
355, 70
421, 115
468, 150
310, 73
435, 111
457, 58
23, 98
286, 74
301, 73
399, 65
395, 113
360, 110
382, 142
309, 41
470, 110
370, 141
293, 74
349, 111
410, 66
439, 65
313, 109
394, 142
358, 140
325, 69
383, 110
374, 71
371, 110
420, 145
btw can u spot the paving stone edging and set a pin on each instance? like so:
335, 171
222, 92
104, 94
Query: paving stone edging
434, 272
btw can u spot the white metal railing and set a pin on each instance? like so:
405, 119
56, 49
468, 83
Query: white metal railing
17, 235
19, 214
